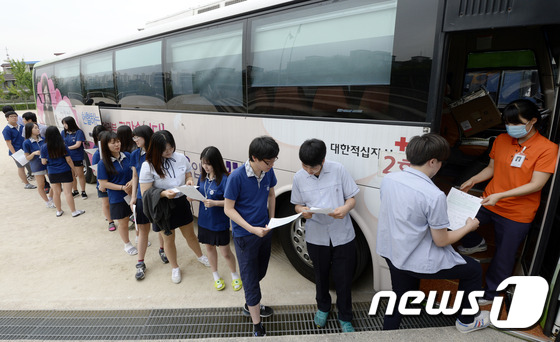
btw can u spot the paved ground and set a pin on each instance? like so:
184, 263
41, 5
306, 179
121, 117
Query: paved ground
65, 263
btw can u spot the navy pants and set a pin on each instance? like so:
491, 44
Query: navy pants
470, 279
508, 237
253, 254
340, 263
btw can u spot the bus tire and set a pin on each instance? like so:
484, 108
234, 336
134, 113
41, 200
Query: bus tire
292, 239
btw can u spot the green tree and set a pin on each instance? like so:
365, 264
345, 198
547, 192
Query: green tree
2, 80
23, 86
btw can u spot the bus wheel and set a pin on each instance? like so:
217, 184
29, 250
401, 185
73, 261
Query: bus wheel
292, 238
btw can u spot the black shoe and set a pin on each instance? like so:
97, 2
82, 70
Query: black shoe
84, 195
140, 270
266, 311
163, 256
75, 193
259, 331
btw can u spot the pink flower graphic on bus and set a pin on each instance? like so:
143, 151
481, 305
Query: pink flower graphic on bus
51, 106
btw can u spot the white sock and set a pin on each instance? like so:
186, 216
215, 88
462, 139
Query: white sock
234, 276
128, 245
216, 275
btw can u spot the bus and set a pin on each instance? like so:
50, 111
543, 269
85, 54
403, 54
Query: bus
365, 76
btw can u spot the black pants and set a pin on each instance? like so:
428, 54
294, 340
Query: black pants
470, 279
341, 262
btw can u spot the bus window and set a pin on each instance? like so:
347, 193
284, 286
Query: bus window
346, 59
97, 72
206, 70
67, 80
140, 76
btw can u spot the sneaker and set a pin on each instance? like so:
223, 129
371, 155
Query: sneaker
481, 321
237, 284
346, 326
112, 227
321, 318
75, 193
84, 195
163, 256
130, 249
78, 213
219, 284
30, 178
204, 260
259, 331
484, 301
59, 213
140, 270
176, 275
481, 247
30, 186
266, 311
50, 204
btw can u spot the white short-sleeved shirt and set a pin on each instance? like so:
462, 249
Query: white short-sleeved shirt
330, 190
411, 204
174, 168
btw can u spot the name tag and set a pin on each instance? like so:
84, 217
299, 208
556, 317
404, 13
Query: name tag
518, 159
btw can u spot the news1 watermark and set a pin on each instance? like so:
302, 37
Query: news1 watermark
526, 307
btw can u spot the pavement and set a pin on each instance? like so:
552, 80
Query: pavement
66, 263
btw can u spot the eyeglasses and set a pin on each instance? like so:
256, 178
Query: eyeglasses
135, 138
270, 162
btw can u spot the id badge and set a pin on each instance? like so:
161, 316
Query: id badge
518, 159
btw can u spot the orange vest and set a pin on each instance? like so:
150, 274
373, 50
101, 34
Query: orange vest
541, 155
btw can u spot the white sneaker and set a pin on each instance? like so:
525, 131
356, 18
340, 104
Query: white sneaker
481, 247
204, 260
481, 321
484, 301
50, 204
130, 249
176, 275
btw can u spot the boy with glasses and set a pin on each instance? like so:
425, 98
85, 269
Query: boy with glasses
249, 203
13, 135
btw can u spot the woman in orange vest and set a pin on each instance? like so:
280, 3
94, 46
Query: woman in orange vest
521, 163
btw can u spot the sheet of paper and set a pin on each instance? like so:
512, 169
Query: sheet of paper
192, 192
325, 211
90, 150
134, 213
127, 199
461, 206
20, 157
279, 222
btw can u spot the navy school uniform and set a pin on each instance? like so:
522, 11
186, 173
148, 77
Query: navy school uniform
70, 139
55, 165
213, 218
124, 175
31, 145
14, 134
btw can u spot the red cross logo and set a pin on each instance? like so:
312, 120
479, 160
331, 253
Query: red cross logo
401, 144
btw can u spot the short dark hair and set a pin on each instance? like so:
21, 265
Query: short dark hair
7, 108
422, 149
312, 152
29, 116
521, 108
8, 113
263, 147
95, 133
145, 132
124, 133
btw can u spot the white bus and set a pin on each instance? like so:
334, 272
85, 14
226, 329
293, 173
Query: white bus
365, 76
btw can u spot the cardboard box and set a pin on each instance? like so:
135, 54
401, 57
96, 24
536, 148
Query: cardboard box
476, 112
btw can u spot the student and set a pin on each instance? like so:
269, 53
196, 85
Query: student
330, 238
74, 139
166, 169
13, 135
115, 174
250, 203
32, 148
124, 133
213, 224
28, 117
142, 137
512, 196
412, 232
96, 134
56, 156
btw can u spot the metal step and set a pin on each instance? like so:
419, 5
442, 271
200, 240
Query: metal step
187, 323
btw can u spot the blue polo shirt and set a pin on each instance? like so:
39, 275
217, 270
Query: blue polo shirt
15, 135
213, 218
411, 205
330, 190
138, 156
55, 165
124, 175
31, 145
250, 196
70, 139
